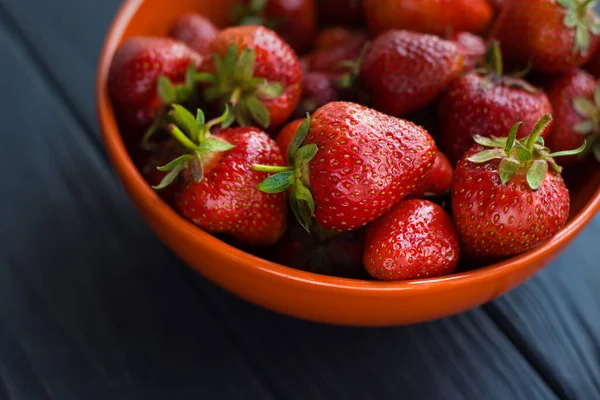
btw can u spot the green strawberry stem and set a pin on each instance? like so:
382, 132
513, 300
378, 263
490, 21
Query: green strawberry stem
494, 58
294, 177
350, 80
493, 70
170, 94
181, 137
271, 168
528, 156
145, 143
537, 131
524, 72
194, 134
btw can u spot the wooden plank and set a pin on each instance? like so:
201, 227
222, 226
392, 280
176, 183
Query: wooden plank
555, 319
92, 306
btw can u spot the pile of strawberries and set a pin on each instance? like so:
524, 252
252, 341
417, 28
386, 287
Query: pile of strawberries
399, 133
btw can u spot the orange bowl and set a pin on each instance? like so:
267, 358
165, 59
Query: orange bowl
293, 292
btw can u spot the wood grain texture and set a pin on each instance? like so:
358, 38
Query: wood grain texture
92, 306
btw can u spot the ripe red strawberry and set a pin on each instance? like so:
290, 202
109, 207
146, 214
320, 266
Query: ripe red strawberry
318, 89
404, 71
196, 31
340, 12
286, 137
472, 47
323, 252
333, 47
575, 97
554, 35
508, 196
262, 82
146, 75
427, 16
217, 187
438, 181
294, 20
487, 103
356, 163
416, 239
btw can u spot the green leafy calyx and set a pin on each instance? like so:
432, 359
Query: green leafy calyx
253, 13
194, 134
590, 126
168, 94
294, 177
581, 17
234, 83
528, 156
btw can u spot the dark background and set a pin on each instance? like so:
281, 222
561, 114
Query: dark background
92, 306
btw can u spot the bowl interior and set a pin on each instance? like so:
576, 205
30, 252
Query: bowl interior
154, 17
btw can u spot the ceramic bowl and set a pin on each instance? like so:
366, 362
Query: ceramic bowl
293, 292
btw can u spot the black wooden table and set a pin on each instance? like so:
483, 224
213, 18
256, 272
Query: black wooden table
92, 306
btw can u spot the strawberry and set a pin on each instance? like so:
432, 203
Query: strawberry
487, 103
262, 82
427, 16
575, 97
356, 163
404, 71
472, 47
554, 35
216, 185
286, 137
333, 47
416, 239
323, 252
438, 181
318, 89
294, 20
196, 31
146, 75
508, 195
340, 12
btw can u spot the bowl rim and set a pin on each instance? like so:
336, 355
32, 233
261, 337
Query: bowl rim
127, 171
